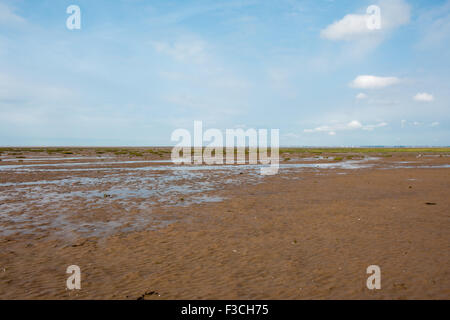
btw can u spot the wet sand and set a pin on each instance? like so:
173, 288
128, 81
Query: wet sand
140, 228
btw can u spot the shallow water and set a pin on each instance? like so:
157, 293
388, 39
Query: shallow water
349, 164
68, 204
53, 159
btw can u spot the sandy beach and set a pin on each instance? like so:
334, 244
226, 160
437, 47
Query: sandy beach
139, 226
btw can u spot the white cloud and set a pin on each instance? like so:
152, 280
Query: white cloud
403, 123
361, 96
349, 27
393, 13
435, 124
370, 127
424, 97
373, 82
352, 125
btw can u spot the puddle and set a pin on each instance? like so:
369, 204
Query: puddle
53, 159
75, 164
68, 205
439, 166
123, 199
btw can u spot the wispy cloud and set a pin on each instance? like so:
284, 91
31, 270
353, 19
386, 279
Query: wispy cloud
227, 63
17, 91
186, 50
361, 96
435, 26
207, 107
352, 125
423, 97
182, 12
8, 17
416, 124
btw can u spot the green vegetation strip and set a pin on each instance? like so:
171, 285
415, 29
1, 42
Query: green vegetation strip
363, 150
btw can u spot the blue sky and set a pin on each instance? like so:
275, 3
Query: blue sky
139, 69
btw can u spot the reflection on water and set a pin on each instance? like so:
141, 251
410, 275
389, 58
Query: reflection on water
122, 198
71, 204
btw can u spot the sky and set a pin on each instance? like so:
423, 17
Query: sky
136, 70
